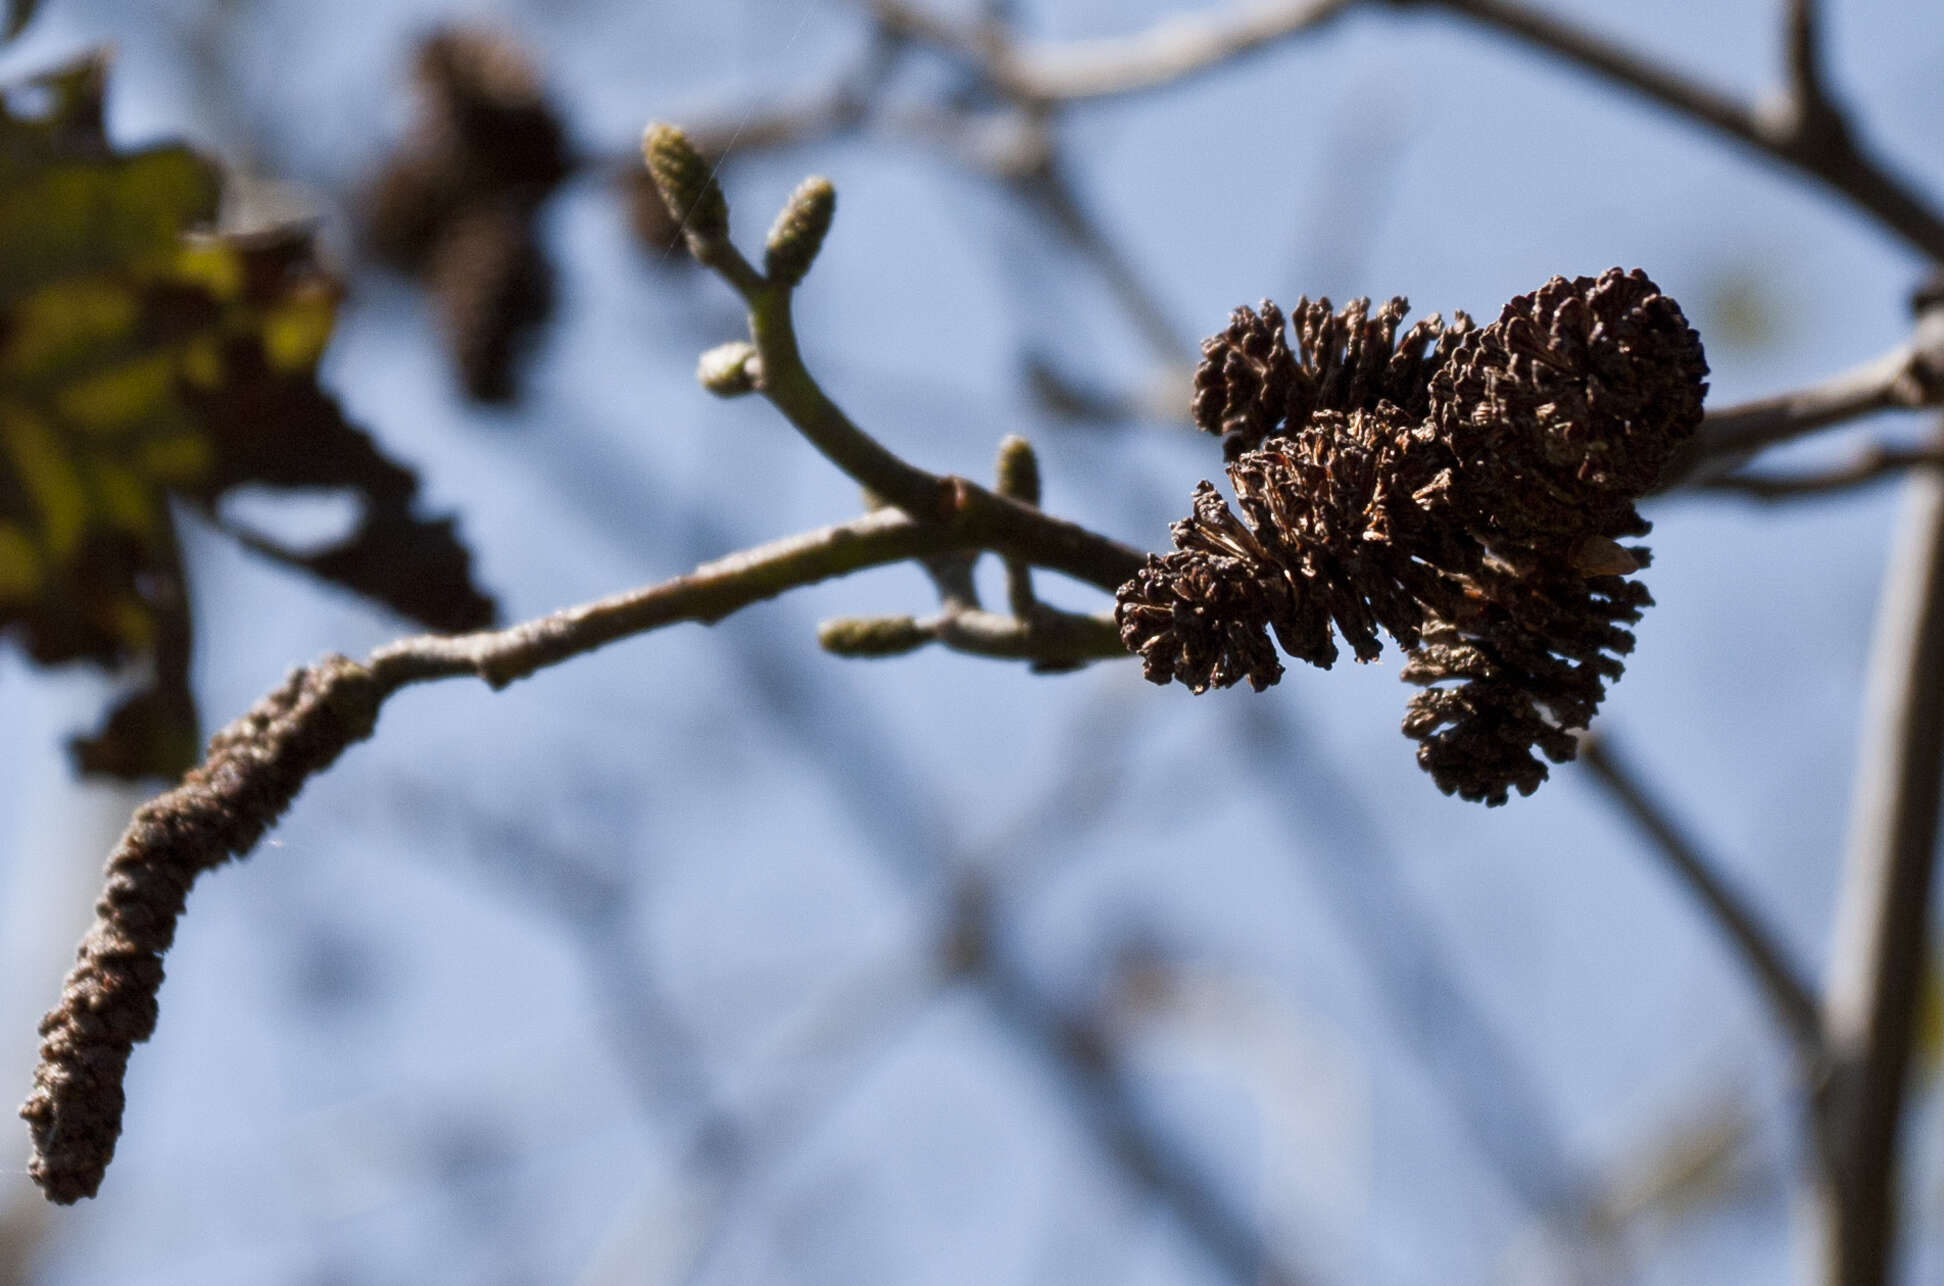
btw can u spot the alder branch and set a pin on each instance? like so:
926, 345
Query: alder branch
1052, 640
1810, 136
1082, 1059
1909, 376
1612, 61
906, 830
1760, 951
991, 521
1882, 927
1167, 53
1809, 133
257, 765
1733, 434
1803, 41
1874, 463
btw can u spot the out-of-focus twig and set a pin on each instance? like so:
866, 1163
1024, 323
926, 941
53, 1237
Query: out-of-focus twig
1817, 143
1802, 39
1767, 961
1081, 1059
1051, 189
1169, 52
1439, 1019
1709, 1153
1883, 912
840, 741
1874, 463
1809, 134
1910, 375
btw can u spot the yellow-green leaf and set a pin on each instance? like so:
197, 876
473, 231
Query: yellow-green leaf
144, 361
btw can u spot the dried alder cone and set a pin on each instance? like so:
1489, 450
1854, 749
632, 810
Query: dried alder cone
456, 205
1461, 489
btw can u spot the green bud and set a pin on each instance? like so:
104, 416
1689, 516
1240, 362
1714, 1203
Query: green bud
729, 370
798, 232
686, 181
872, 635
1018, 470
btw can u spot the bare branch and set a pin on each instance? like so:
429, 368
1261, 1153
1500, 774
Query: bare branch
1051, 192
1877, 959
904, 823
1171, 51
257, 765
1052, 640
1638, 72
1761, 953
993, 521
709, 593
1820, 145
1167, 53
1083, 1061
1875, 463
1733, 434
1908, 376
1802, 38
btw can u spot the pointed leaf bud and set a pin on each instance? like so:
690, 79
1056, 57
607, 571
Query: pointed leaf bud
687, 182
729, 370
798, 232
1018, 470
863, 636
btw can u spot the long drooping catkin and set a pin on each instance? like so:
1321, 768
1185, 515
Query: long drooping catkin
253, 769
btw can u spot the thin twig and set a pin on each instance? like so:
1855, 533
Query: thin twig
1167, 53
1811, 136
1731, 435
1877, 959
1909, 376
1873, 464
1441, 1022
1050, 190
1048, 637
709, 593
1761, 952
904, 823
992, 521
1803, 40
1083, 1062
1639, 72
1821, 146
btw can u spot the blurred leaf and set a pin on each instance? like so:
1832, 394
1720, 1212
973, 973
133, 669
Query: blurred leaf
1929, 1042
143, 363
1742, 306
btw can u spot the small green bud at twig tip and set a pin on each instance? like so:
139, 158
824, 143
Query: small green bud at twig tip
730, 370
872, 635
798, 232
686, 181
1018, 470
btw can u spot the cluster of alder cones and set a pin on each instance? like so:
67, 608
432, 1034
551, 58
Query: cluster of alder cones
1460, 488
